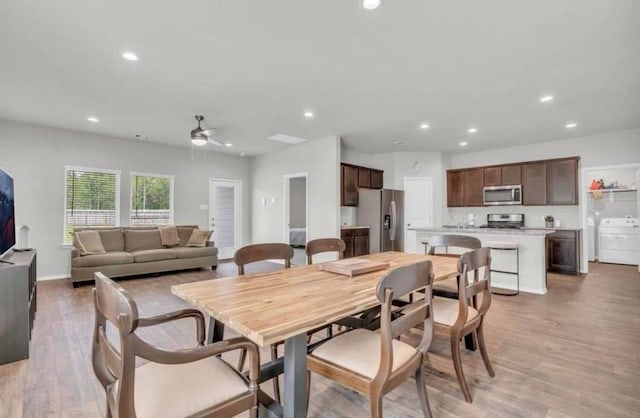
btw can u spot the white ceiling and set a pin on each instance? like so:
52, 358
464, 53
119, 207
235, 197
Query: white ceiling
253, 67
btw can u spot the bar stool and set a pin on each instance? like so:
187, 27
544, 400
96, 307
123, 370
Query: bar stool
506, 246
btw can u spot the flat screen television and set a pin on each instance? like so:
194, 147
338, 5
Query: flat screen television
7, 213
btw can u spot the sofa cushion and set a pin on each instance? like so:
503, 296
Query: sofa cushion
112, 239
105, 259
140, 240
88, 242
169, 235
199, 238
193, 252
184, 232
145, 256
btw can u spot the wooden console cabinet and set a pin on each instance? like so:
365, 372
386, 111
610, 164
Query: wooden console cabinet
356, 240
18, 304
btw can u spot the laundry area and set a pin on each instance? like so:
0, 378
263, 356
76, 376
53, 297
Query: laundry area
613, 204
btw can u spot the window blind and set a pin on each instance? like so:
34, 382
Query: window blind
91, 200
151, 202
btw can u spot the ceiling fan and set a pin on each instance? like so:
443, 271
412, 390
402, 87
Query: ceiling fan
201, 137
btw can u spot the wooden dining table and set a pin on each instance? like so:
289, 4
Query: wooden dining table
284, 305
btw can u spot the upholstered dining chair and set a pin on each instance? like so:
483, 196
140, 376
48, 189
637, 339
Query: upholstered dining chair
324, 245
435, 244
458, 317
187, 382
375, 363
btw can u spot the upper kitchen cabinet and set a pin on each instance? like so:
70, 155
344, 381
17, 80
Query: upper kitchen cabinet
472, 187
511, 175
534, 184
349, 185
562, 182
352, 177
493, 176
454, 189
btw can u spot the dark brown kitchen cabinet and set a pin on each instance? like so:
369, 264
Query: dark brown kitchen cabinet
356, 241
534, 184
472, 187
364, 177
454, 189
511, 175
562, 182
493, 176
563, 252
349, 186
376, 179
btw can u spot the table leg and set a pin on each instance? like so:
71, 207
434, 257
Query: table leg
216, 331
470, 342
295, 376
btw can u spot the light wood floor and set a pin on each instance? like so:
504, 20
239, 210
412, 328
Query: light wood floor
572, 353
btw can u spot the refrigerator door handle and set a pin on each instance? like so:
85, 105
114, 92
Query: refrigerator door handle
394, 221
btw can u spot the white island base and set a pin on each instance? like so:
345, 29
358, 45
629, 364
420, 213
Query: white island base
532, 254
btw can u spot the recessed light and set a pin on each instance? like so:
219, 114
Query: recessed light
129, 56
472, 130
464, 144
370, 4
571, 125
242, 154
93, 119
424, 126
308, 114
546, 99
228, 144
398, 143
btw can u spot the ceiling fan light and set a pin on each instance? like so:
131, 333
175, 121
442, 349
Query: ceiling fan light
199, 142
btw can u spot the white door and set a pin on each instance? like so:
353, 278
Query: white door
225, 215
418, 209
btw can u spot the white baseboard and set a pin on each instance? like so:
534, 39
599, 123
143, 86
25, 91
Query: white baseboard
54, 277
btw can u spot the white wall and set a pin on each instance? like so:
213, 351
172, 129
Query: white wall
321, 160
36, 157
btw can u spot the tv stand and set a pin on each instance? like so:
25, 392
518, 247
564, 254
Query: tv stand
18, 300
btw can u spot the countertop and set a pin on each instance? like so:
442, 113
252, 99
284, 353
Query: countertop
492, 231
354, 227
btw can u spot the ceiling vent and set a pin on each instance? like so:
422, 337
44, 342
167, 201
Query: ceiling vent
287, 139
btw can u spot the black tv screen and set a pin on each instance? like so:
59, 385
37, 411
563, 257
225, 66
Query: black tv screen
7, 213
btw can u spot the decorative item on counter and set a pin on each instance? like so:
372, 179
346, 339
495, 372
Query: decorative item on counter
548, 221
557, 223
595, 185
601, 184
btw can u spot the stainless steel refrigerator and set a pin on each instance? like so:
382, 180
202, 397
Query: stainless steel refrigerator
383, 211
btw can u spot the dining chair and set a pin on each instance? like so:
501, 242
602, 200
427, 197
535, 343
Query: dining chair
458, 317
449, 287
187, 382
324, 245
374, 363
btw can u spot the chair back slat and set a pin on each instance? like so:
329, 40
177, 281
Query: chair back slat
111, 355
115, 304
472, 285
412, 315
405, 279
261, 252
324, 245
457, 241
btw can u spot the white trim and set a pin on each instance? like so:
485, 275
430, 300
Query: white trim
238, 197
286, 202
68, 168
171, 178
584, 195
53, 277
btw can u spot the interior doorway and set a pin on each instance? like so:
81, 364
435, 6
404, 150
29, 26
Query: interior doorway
418, 209
225, 215
296, 214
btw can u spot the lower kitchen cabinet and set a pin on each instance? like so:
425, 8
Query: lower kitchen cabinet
356, 240
563, 252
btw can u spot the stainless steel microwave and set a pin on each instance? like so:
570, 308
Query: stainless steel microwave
502, 195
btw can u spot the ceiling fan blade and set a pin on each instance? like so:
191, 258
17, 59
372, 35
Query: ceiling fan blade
214, 141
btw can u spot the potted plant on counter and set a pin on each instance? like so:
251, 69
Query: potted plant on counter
548, 221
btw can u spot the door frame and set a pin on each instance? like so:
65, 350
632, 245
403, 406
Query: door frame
238, 212
584, 190
286, 200
404, 227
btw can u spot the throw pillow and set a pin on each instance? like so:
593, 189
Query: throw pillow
88, 242
199, 238
169, 236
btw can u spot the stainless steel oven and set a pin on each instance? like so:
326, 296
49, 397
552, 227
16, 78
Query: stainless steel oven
502, 195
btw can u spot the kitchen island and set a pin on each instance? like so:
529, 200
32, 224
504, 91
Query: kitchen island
532, 254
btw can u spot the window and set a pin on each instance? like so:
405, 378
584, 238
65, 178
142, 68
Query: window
92, 199
151, 199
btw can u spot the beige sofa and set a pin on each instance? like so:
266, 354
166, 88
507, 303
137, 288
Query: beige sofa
139, 250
